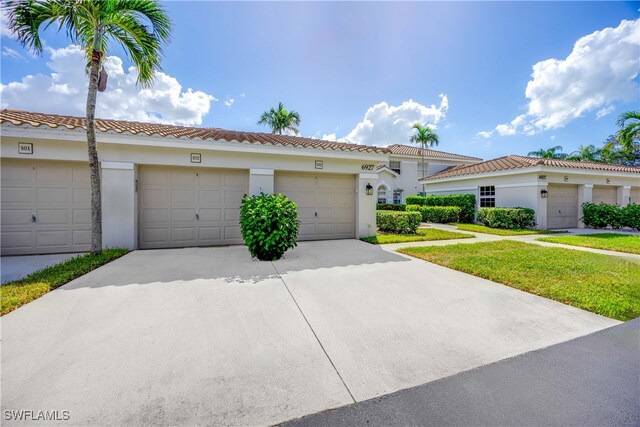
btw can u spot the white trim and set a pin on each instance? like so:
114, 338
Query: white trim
454, 189
626, 187
368, 176
523, 184
588, 185
261, 171
117, 165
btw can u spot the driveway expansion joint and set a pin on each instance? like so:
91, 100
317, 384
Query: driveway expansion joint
314, 333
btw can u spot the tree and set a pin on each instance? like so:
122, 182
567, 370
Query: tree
629, 133
586, 153
280, 120
141, 27
549, 153
426, 137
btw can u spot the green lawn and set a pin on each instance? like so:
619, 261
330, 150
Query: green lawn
424, 234
19, 292
603, 284
502, 232
609, 241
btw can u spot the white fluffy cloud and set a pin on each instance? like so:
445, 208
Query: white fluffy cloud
385, 124
64, 91
601, 69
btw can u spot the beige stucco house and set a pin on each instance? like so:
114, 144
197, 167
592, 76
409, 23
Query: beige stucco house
555, 189
171, 186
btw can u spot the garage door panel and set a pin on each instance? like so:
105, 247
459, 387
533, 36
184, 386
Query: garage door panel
602, 194
635, 195
45, 188
180, 192
233, 234
81, 237
562, 206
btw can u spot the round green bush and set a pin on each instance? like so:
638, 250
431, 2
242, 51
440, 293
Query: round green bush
269, 224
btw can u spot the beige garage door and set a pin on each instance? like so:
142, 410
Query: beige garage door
562, 206
602, 194
181, 206
326, 203
45, 207
635, 195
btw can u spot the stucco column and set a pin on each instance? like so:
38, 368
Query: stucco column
119, 225
585, 195
623, 195
261, 181
541, 206
366, 205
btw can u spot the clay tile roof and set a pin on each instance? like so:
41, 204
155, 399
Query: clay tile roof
20, 118
408, 150
518, 162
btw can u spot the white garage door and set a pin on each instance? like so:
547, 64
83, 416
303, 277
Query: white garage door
562, 206
635, 195
181, 206
326, 203
602, 194
45, 207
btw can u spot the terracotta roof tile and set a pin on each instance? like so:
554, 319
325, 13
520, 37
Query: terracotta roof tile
19, 118
408, 150
518, 162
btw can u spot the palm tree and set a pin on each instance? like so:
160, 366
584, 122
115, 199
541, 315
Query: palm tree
141, 27
426, 137
280, 120
549, 153
629, 132
586, 153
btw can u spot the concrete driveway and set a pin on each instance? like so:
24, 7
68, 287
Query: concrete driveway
208, 336
16, 267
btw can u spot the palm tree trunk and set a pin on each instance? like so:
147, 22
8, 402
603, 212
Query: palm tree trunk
94, 167
423, 167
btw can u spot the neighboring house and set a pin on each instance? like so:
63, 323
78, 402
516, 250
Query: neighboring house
171, 186
555, 189
398, 177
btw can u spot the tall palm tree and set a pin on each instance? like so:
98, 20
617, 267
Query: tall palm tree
280, 120
426, 137
141, 27
586, 153
549, 153
629, 132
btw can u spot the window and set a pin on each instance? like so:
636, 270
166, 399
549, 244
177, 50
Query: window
423, 171
394, 165
397, 197
382, 194
488, 197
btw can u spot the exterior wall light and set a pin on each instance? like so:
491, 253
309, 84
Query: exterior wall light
544, 193
369, 188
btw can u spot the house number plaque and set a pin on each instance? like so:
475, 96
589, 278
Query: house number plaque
25, 148
196, 158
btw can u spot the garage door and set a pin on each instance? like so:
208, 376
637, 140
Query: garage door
182, 206
635, 195
602, 194
326, 203
562, 206
45, 207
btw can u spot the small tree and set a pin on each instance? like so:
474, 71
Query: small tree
549, 153
280, 120
426, 138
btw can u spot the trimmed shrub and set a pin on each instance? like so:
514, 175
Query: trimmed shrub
390, 207
509, 218
269, 224
466, 203
439, 214
601, 215
398, 222
631, 216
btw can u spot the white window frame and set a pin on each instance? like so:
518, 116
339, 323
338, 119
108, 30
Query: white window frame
487, 196
393, 163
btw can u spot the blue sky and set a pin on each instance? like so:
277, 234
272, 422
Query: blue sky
350, 70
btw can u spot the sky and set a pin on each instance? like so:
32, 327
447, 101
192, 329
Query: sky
492, 78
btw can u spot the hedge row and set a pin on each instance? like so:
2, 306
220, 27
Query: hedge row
398, 222
439, 214
390, 207
602, 215
509, 218
466, 203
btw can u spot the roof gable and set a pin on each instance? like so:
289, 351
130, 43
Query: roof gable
408, 150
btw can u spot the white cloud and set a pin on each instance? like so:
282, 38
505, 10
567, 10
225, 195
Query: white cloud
4, 25
64, 91
385, 124
485, 134
11, 53
604, 112
601, 69
229, 101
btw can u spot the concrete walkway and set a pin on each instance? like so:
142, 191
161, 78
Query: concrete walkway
531, 238
208, 336
16, 267
589, 381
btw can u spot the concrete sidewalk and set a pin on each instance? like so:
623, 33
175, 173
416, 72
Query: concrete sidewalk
16, 267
